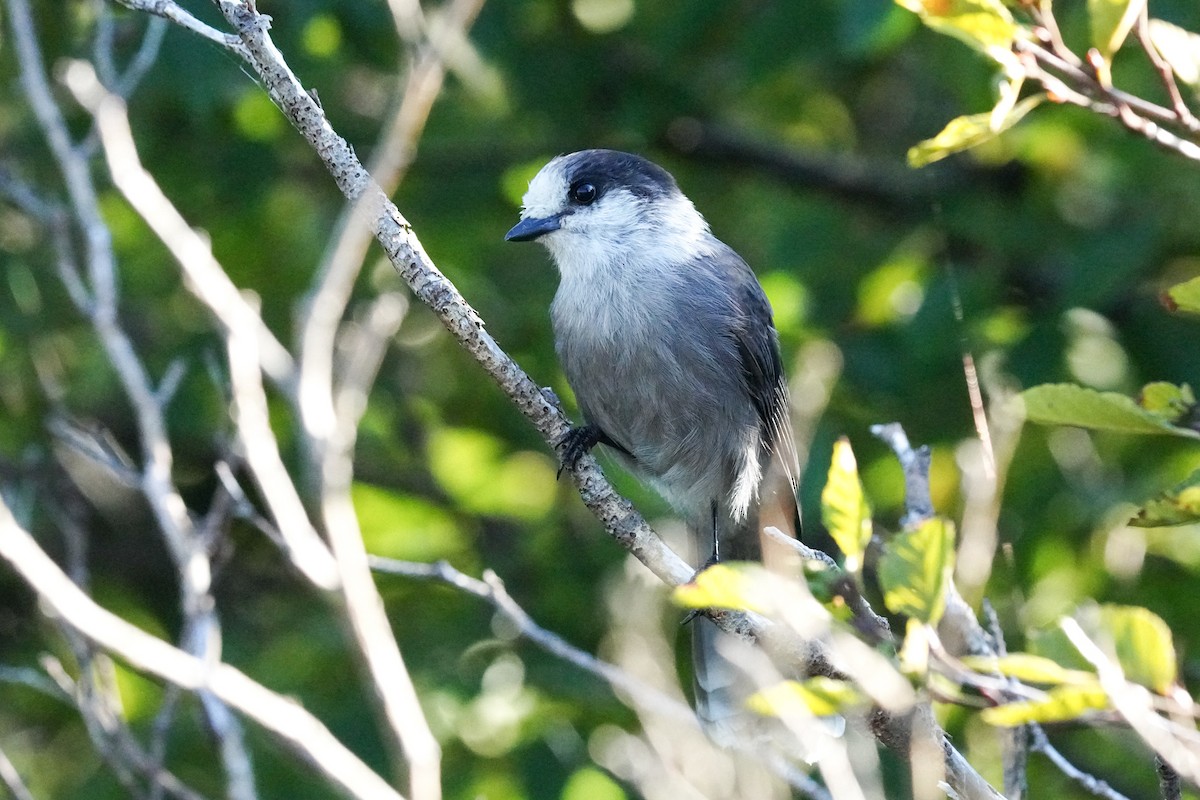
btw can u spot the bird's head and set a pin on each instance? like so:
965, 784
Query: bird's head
603, 205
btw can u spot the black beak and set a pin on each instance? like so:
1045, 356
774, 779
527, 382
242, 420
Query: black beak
529, 229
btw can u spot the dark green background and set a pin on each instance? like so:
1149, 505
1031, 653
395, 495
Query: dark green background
1057, 239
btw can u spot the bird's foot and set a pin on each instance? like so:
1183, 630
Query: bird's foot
575, 444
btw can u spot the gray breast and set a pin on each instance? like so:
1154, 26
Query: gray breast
657, 369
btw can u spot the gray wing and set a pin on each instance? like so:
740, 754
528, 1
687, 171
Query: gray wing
762, 367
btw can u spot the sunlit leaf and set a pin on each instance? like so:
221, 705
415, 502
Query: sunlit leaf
844, 507
1184, 296
1177, 506
1068, 404
589, 783
406, 526
1111, 21
985, 25
914, 650
1028, 668
1180, 48
1143, 644
966, 132
819, 696
732, 585
1167, 400
1062, 703
915, 568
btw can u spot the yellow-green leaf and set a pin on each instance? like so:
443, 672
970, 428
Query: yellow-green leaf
1062, 703
733, 585
844, 507
819, 696
1177, 506
1068, 404
966, 132
985, 25
1111, 21
1167, 400
1181, 49
1143, 644
1028, 668
915, 568
1185, 296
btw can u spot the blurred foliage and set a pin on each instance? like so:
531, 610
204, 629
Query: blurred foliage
1053, 242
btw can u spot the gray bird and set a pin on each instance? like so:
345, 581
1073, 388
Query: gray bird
667, 340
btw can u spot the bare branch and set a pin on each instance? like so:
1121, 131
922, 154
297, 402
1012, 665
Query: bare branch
245, 330
491, 589
293, 725
1041, 744
918, 504
12, 779
173, 12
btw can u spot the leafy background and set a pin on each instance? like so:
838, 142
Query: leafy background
1056, 240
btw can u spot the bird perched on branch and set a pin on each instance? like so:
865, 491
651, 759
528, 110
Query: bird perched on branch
667, 340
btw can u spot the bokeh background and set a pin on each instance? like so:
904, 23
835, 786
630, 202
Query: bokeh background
787, 123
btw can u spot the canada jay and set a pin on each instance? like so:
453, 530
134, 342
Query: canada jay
667, 340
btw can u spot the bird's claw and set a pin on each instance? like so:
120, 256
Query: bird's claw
574, 445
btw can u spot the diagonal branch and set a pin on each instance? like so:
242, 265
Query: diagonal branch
295, 727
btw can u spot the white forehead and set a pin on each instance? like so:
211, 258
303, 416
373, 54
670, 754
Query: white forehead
547, 193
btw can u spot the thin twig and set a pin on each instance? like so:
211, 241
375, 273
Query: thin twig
492, 590
1165, 74
1132, 702
246, 333
12, 779
291, 723
1039, 743
169, 10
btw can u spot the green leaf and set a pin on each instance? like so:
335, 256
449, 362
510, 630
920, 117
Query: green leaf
985, 25
1062, 703
915, 568
1028, 668
819, 696
1168, 401
1185, 296
844, 507
1143, 645
1068, 404
1177, 506
590, 783
966, 132
733, 585
1111, 21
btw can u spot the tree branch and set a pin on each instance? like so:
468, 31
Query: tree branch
285, 718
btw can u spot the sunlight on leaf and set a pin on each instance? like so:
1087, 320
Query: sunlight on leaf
1167, 400
818, 696
1143, 644
732, 585
1062, 703
966, 132
844, 507
915, 568
405, 526
1177, 506
1068, 404
1111, 21
1028, 669
985, 25
1184, 296
589, 783
1181, 49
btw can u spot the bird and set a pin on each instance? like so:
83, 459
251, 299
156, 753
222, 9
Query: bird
667, 340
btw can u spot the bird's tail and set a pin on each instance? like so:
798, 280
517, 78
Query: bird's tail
721, 686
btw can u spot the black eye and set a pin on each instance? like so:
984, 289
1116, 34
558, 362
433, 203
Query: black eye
583, 193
